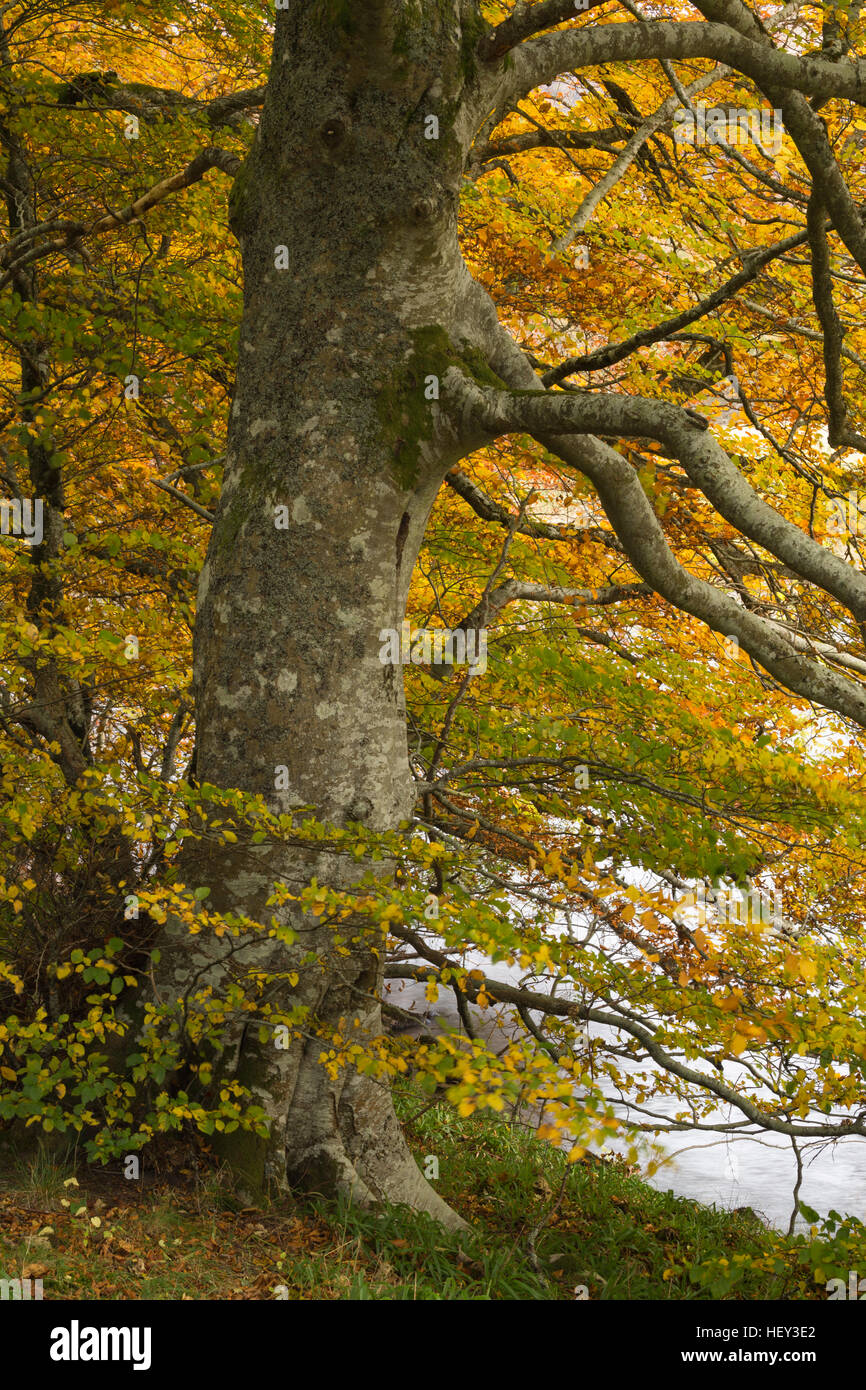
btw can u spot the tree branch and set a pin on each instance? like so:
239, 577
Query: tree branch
207, 159
839, 432
182, 497
485, 507
634, 519
538, 62
573, 1009
526, 20
703, 459
608, 356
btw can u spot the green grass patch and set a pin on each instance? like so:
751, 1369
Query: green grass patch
541, 1229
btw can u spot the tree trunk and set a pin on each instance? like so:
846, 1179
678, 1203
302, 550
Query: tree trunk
346, 212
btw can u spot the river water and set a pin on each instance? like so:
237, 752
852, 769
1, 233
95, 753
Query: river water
745, 1172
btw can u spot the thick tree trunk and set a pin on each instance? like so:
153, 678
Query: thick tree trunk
346, 213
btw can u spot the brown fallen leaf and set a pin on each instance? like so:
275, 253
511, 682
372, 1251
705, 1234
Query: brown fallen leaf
469, 1266
33, 1271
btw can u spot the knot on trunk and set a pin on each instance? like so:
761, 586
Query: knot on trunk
425, 209
333, 132
360, 809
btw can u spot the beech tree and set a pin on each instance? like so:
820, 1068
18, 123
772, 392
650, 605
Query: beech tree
448, 213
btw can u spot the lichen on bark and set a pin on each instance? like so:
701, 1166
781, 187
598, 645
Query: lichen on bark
405, 412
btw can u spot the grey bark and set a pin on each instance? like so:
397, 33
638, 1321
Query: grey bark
330, 422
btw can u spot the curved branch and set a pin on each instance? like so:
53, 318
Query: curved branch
703, 459
572, 1009
802, 122
540, 61
740, 42
523, 22
87, 92
636, 523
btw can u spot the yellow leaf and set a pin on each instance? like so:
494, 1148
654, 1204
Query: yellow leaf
9, 1074
739, 1044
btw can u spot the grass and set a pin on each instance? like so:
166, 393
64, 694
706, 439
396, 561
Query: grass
541, 1229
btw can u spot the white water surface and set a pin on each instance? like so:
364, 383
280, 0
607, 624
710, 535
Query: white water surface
710, 1168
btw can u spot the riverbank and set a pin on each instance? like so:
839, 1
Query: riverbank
726, 1169
542, 1230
